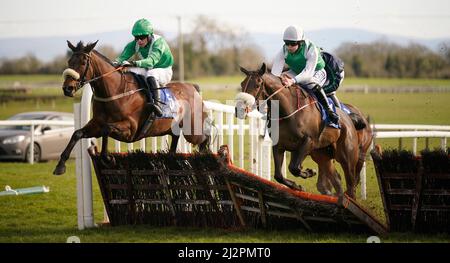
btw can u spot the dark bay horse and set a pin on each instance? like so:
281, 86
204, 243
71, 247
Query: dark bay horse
120, 112
302, 132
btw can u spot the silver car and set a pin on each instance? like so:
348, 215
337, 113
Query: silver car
49, 140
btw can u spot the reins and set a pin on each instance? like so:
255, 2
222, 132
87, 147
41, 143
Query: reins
83, 82
299, 108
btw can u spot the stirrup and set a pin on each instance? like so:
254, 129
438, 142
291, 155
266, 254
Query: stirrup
156, 109
334, 118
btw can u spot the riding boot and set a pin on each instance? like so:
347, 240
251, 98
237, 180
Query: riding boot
320, 94
154, 103
335, 99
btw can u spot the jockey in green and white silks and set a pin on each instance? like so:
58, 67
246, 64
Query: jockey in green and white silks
155, 59
306, 66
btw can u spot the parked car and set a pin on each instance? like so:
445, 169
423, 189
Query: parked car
49, 140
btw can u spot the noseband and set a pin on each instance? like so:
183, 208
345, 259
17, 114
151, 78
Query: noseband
81, 81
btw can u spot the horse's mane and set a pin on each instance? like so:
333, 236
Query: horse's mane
79, 47
272, 79
275, 81
103, 57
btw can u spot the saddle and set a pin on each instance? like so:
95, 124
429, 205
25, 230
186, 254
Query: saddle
323, 112
169, 104
357, 120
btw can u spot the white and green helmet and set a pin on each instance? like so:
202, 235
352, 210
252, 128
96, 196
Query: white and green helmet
293, 33
142, 27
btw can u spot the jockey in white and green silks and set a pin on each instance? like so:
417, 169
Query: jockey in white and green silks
306, 66
155, 59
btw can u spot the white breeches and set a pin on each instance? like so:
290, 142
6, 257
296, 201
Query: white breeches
161, 75
319, 78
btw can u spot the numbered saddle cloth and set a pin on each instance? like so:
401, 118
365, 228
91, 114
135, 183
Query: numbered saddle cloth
169, 104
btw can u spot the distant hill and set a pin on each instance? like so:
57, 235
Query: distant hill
46, 48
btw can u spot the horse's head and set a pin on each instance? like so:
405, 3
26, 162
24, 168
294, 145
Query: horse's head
251, 89
79, 70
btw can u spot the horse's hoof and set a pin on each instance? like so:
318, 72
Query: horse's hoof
329, 193
60, 169
352, 195
338, 195
108, 160
295, 186
298, 188
308, 173
112, 160
295, 172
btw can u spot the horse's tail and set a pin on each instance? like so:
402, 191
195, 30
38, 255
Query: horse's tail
358, 121
197, 87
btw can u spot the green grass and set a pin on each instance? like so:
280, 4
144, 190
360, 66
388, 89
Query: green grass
51, 217
30, 79
387, 82
62, 104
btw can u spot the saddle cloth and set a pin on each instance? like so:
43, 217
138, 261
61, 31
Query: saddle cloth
324, 114
169, 104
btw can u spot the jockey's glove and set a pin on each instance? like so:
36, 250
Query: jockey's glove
116, 64
128, 64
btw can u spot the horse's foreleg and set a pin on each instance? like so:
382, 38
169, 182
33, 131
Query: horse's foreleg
88, 131
294, 166
323, 184
297, 158
104, 151
278, 157
333, 177
174, 143
348, 164
105, 158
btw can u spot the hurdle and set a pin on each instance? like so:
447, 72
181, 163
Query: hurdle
207, 190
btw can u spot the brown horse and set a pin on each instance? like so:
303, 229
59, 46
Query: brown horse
365, 137
119, 110
302, 132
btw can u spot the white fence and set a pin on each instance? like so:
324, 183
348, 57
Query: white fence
252, 130
414, 131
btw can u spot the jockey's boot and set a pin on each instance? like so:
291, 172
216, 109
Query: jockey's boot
335, 99
154, 103
320, 94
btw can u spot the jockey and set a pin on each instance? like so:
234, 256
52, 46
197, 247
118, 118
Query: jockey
306, 66
155, 59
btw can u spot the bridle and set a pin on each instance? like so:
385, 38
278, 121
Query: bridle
261, 89
82, 80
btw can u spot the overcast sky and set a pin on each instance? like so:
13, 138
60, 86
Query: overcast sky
411, 18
